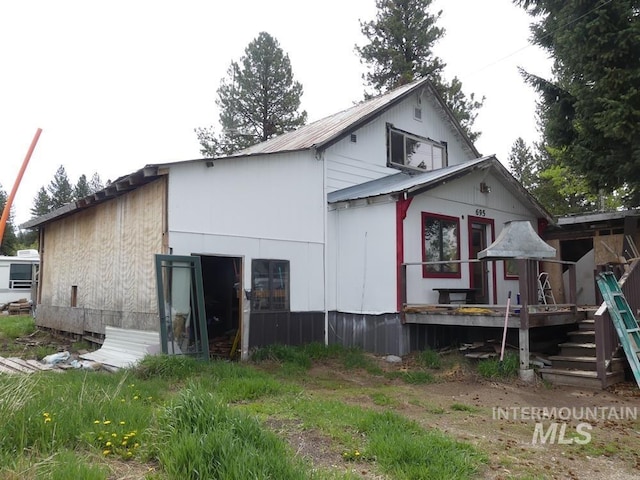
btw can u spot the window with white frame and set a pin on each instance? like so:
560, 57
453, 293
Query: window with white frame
406, 150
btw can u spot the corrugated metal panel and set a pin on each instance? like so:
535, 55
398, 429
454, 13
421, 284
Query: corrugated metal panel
326, 129
402, 181
382, 334
324, 132
124, 348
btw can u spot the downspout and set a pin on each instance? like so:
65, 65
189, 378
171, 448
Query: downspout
325, 258
402, 205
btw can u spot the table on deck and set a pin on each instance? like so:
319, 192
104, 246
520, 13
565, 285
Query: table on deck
444, 294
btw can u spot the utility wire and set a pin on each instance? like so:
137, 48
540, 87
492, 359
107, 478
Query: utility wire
515, 52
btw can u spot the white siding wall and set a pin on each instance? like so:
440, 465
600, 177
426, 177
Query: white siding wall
461, 199
270, 207
350, 163
362, 261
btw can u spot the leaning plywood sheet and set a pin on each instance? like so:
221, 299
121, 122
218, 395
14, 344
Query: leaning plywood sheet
124, 348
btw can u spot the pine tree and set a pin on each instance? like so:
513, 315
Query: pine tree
81, 188
41, 203
522, 164
60, 189
590, 108
95, 184
400, 50
258, 100
8, 241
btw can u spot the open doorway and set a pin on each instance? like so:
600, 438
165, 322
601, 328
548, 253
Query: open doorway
480, 235
222, 286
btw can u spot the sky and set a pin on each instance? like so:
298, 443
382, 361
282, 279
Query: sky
120, 84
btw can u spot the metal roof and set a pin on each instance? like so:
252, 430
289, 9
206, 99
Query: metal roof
414, 184
116, 188
403, 181
323, 133
593, 217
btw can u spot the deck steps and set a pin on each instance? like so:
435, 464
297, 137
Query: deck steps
580, 378
575, 364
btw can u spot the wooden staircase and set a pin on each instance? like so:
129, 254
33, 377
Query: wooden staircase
575, 364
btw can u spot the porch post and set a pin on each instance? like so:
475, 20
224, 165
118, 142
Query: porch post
528, 286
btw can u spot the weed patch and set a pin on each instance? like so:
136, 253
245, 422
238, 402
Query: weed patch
494, 368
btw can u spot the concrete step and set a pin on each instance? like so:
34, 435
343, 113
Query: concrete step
573, 349
579, 378
584, 363
582, 336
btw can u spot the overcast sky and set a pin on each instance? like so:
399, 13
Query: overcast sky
116, 85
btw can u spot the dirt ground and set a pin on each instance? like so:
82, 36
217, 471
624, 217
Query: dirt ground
462, 404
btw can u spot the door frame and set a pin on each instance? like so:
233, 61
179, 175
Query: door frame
490, 232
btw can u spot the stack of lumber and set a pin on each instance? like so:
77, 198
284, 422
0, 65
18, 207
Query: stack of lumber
21, 306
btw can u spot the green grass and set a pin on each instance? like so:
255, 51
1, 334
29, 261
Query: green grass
298, 359
494, 368
461, 407
430, 359
189, 419
413, 377
12, 327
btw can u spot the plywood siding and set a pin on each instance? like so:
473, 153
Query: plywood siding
107, 253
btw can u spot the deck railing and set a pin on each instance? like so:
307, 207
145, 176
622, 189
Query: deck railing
527, 284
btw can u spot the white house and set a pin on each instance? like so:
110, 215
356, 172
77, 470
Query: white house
301, 238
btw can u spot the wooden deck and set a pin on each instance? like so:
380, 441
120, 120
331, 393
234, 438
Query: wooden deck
491, 315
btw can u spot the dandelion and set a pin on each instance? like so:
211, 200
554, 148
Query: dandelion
108, 444
106, 452
96, 422
122, 423
136, 397
122, 400
106, 422
47, 419
114, 435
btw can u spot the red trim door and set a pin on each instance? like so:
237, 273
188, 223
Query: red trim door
481, 234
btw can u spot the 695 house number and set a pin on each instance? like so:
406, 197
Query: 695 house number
481, 212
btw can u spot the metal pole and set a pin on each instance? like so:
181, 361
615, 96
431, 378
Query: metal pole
506, 321
7, 207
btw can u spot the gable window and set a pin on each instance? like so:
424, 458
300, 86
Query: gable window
270, 285
405, 150
441, 242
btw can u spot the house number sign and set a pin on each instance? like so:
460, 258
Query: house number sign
481, 212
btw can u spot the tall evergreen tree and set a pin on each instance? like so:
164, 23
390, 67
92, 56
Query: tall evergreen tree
9, 240
60, 189
95, 184
522, 164
590, 108
258, 100
41, 203
400, 50
81, 188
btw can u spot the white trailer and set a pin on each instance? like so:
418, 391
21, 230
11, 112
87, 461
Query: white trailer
18, 275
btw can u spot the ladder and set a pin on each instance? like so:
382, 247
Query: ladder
622, 318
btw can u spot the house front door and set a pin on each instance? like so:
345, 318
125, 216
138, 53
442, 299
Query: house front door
480, 235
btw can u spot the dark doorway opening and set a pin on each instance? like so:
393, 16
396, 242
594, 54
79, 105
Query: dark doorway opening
222, 286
